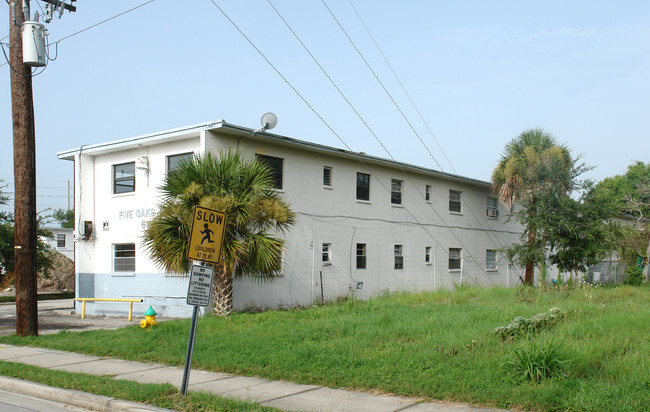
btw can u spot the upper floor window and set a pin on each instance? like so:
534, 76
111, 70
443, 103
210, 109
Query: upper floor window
363, 186
492, 209
124, 257
455, 262
275, 164
427, 193
399, 258
174, 161
361, 255
491, 259
396, 191
327, 176
454, 201
427, 254
60, 240
124, 178
327, 253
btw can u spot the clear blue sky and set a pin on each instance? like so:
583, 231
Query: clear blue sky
480, 72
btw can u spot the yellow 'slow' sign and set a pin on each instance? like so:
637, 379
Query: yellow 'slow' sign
206, 236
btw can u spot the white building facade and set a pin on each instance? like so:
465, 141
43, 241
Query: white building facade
363, 224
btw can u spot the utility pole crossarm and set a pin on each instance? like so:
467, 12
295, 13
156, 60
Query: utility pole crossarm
57, 3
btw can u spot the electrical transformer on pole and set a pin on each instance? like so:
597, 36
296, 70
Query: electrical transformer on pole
21, 61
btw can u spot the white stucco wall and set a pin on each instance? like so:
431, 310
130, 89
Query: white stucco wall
323, 215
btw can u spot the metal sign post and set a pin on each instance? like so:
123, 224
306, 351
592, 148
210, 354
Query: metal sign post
198, 294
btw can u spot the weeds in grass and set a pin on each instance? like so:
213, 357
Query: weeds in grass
520, 325
537, 361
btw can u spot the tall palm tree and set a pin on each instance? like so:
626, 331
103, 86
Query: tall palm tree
532, 162
255, 215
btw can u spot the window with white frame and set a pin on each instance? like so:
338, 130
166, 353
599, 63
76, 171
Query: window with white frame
124, 178
427, 254
276, 166
454, 201
492, 209
124, 257
327, 176
427, 193
60, 240
399, 258
174, 161
327, 253
363, 186
396, 191
455, 260
361, 255
491, 259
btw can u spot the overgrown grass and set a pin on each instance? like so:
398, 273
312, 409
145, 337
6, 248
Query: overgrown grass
432, 345
162, 396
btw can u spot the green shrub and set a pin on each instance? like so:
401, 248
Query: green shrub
537, 362
634, 276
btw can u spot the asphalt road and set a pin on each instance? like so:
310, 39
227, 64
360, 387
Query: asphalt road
57, 315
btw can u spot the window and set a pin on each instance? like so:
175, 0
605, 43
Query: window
399, 258
427, 254
491, 259
492, 209
124, 178
361, 255
124, 257
427, 193
396, 191
275, 164
327, 176
327, 253
60, 240
454, 201
363, 186
174, 161
454, 259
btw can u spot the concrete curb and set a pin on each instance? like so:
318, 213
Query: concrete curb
75, 398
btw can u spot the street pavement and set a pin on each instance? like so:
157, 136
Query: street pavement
57, 315
12, 402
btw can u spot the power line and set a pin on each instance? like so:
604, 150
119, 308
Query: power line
331, 129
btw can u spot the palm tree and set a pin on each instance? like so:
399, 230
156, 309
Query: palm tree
532, 162
255, 214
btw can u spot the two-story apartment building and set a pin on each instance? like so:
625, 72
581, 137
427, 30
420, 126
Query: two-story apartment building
363, 224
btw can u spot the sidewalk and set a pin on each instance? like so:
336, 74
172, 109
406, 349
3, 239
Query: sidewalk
281, 395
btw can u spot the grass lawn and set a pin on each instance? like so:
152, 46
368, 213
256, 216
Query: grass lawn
432, 345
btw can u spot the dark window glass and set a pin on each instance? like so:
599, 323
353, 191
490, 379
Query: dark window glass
275, 163
399, 259
60, 240
491, 259
427, 193
427, 254
454, 259
396, 192
124, 178
174, 161
363, 186
454, 201
327, 176
361, 255
124, 257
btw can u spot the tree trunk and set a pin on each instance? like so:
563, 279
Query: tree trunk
646, 270
529, 279
222, 291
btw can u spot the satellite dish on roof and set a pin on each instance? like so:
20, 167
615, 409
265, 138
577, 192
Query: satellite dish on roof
269, 121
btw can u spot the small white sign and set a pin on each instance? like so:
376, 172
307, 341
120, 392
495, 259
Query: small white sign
200, 287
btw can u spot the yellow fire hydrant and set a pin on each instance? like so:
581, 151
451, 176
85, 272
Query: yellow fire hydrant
149, 319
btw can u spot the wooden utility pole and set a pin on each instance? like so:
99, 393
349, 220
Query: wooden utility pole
22, 108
